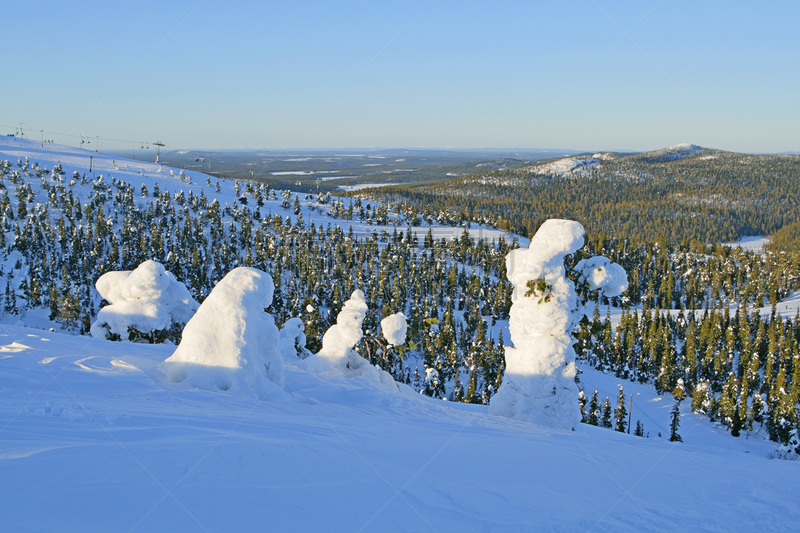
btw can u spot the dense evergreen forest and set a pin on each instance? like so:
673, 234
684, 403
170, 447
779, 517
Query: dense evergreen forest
690, 322
708, 196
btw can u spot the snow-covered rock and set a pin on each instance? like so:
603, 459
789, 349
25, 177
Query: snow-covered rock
231, 343
147, 299
539, 380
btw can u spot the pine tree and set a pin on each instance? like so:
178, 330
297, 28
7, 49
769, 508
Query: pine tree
605, 420
620, 413
675, 423
594, 410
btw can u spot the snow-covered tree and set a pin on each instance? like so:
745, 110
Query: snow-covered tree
231, 343
338, 355
147, 304
539, 382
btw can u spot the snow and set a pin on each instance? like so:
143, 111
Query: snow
362, 186
338, 342
566, 166
601, 273
683, 147
293, 340
539, 380
337, 355
231, 343
750, 244
675, 152
105, 446
394, 328
148, 299
538, 385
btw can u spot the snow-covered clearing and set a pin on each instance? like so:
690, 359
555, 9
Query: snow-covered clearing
750, 244
568, 166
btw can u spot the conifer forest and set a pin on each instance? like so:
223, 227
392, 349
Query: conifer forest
700, 318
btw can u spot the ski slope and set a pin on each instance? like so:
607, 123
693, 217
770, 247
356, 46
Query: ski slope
138, 172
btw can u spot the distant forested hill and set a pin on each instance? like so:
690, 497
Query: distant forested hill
683, 193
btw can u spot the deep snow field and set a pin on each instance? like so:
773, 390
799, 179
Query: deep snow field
94, 437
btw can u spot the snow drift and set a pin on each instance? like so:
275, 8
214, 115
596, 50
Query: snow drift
231, 343
143, 301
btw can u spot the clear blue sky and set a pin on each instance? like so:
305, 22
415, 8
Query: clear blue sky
593, 75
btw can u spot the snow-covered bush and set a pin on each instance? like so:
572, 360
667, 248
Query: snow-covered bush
337, 354
791, 450
394, 328
293, 340
539, 381
231, 343
147, 304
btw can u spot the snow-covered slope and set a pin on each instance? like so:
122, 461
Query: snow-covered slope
568, 166
174, 180
94, 439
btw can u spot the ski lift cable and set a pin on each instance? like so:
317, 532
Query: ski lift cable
640, 410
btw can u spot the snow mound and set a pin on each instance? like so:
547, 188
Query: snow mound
394, 328
147, 299
231, 343
539, 381
337, 355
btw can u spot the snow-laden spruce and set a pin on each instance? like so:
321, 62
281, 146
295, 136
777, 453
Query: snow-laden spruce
231, 343
146, 304
337, 355
539, 380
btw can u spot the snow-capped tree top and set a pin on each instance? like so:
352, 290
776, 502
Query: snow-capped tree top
602, 273
393, 329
